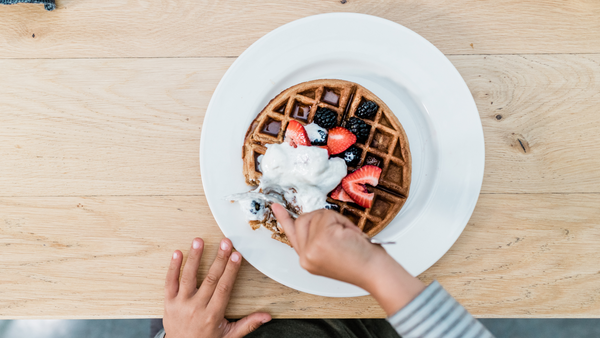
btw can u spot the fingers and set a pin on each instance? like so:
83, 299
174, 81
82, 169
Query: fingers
248, 324
286, 221
319, 223
220, 298
215, 272
172, 280
190, 270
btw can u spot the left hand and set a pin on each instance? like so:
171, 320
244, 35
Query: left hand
191, 312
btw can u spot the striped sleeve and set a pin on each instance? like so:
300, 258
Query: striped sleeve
435, 314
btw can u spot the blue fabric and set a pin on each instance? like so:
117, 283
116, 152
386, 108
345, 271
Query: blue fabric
48, 4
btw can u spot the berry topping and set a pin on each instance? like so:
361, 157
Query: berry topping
339, 194
316, 134
295, 135
339, 140
326, 118
351, 156
366, 109
255, 206
333, 207
354, 184
359, 128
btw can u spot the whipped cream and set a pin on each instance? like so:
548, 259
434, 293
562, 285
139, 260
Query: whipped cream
316, 133
305, 174
254, 210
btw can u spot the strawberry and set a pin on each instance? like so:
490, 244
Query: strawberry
339, 194
295, 134
354, 184
339, 140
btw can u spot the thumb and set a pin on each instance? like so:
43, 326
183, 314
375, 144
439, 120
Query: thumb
248, 324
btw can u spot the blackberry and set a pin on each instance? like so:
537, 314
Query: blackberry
351, 156
366, 109
359, 128
325, 118
332, 206
321, 141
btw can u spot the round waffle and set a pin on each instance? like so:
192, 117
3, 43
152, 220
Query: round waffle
386, 147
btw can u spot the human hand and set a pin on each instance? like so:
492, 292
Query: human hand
191, 312
330, 245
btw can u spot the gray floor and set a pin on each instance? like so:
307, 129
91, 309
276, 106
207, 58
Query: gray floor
551, 328
142, 328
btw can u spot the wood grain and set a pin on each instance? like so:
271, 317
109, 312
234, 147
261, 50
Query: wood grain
523, 255
176, 28
540, 116
135, 128
527, 256
107, 257
100, 115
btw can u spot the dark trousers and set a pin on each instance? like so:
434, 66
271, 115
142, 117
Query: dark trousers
317, 328
329, 328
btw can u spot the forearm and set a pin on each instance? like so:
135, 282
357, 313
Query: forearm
418, 311
391, 285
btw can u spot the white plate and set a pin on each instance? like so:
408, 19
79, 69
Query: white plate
411, 76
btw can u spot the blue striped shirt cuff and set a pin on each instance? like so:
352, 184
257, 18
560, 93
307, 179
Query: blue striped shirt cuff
435, 314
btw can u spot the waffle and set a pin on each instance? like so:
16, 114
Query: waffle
386, 147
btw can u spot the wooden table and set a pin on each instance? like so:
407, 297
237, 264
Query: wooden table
101, 105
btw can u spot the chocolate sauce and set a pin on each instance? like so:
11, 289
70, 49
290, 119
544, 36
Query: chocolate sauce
257, 158
331, 97
373, 160
272, 127
300, 111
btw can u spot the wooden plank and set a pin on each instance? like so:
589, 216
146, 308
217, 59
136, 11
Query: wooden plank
527, 256
167, 28
104, 127
106, 257
540, 116
523, 255
132, 126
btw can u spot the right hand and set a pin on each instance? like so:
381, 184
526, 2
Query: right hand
330, 245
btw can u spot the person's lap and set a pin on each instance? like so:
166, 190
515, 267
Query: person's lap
330, 328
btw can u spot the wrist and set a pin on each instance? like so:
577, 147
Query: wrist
390, 284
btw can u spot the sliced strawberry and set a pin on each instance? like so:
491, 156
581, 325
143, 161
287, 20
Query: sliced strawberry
339, 140
339, 194
295, 134
354, 184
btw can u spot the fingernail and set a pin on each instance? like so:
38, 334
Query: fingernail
235, 257
196, 244
175, 255
266, 320
224, 245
